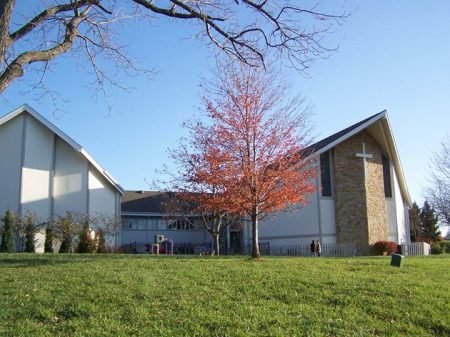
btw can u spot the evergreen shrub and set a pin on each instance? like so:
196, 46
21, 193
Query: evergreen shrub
6, 245
437, 248
48, 246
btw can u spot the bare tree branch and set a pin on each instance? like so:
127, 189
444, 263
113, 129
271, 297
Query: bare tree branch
439, 191
249, 30
15, 69
46, 14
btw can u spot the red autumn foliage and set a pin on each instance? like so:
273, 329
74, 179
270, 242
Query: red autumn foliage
248, 158
380, 247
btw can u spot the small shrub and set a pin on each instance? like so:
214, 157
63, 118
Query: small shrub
384, 247
86, 244
436, 248
6, 245
447, 247
30, 231
66, 243
66, 228
48, 246
101, 241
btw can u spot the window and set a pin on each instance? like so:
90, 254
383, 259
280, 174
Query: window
134, 223
127, 224
325, 174
141, 224
152, 223
181, 224
386, 177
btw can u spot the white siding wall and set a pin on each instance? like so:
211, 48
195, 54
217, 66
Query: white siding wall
301, 225
407, 224
316, 220
397, 214
102, 196
70, 182
328, 220
36, 172
118, 236
400, 210
296, 226
392, 219
10, 162
26, 141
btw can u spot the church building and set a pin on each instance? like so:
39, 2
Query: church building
362, 196
44, 171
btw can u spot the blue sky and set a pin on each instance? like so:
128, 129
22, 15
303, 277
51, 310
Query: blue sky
392, 55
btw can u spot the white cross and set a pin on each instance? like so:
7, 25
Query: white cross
365, 156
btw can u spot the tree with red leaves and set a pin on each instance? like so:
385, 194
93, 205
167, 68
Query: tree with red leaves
248, 156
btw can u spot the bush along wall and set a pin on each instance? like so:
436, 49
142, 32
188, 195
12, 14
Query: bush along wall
384, 247
440, 247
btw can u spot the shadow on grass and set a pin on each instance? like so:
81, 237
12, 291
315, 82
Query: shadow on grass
22, 260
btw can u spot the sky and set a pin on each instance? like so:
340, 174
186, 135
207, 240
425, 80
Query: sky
391, 55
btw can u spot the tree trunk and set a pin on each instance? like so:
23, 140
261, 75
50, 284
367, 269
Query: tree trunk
6, 8
255, 241
216, 243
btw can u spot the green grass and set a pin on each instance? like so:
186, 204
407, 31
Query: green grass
114, 295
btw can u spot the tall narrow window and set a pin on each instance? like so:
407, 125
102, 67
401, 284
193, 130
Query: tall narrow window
325, 174
386, 177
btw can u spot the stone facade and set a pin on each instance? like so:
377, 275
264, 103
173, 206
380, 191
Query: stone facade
361, 216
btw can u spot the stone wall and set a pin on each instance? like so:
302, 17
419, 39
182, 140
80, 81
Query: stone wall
378, 226
361, 216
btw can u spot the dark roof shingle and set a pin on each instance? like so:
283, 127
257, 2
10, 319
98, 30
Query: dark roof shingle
144, 201
328, 140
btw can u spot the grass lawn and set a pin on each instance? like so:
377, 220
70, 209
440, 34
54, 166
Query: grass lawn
119, 295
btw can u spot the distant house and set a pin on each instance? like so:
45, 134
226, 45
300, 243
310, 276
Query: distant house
361, 198
145, 216
44, 171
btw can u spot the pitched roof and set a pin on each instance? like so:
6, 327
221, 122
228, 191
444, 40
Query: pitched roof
379, 126
144, 201
77, 147
341, 135
160, 202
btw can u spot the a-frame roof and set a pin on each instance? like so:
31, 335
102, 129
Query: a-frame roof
344, 134
77, 147
379, 127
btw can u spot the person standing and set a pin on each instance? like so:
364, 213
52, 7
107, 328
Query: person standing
313, 248
318, 248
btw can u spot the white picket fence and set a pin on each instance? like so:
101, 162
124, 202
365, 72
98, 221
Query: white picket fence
328, 249
416, 248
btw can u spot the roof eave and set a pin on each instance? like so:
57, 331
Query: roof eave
397, 162
350, 134
77, 147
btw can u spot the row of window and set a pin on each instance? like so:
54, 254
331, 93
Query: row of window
325, 175
134, 223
